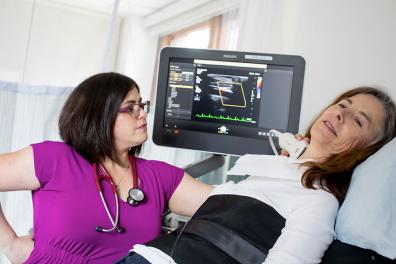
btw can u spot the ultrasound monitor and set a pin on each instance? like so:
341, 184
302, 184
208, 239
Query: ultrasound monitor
226, 101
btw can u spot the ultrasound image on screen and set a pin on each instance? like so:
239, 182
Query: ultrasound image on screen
228, 98
226, 95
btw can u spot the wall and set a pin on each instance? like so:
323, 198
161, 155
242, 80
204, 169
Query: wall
13, 38
344, 43
66, 44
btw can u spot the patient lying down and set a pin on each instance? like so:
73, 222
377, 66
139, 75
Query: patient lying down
285, 211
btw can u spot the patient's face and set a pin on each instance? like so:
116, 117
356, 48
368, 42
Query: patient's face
352, 123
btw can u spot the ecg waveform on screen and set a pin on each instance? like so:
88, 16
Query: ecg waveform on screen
228, 118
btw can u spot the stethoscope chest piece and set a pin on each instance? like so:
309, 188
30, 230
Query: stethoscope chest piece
135, 196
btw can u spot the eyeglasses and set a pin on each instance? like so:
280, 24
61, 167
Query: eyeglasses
134, 109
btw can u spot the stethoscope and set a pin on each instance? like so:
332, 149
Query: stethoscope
135, 195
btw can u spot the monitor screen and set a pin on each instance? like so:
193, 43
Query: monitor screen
226, 101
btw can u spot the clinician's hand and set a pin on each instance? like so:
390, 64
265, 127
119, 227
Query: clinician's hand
20, 249
298, 137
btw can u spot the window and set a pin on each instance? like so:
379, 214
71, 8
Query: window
203, 35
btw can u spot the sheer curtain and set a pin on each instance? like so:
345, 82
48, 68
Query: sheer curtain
28, 114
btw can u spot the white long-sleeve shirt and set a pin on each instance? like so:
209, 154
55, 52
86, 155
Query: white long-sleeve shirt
276, 181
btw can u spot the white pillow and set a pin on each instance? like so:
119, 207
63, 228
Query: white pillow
367, 218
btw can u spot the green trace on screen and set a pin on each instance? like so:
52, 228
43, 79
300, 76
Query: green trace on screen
221, 117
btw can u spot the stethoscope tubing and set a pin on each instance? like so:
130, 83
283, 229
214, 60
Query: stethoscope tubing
106, 177
115, 221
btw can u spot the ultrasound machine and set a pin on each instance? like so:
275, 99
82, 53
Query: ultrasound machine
225, 102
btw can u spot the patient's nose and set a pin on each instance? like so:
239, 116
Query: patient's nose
340, 114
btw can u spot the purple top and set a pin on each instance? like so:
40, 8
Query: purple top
67, 208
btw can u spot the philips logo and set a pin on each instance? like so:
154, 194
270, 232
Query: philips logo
229, 56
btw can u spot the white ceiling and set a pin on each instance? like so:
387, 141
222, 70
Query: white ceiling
159, 16
126, 7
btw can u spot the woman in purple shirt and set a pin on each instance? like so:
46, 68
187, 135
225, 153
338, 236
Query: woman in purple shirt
93, 199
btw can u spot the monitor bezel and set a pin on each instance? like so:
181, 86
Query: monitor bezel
217, 143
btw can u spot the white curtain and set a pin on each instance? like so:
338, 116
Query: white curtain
230, 26
28, 114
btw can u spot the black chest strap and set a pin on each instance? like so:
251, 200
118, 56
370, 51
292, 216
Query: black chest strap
226, 229
226, 240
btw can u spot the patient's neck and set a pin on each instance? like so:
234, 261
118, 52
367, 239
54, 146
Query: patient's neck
314, 153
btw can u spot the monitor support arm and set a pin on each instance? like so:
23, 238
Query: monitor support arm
204, 166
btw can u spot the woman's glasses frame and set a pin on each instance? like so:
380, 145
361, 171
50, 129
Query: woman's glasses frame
134, 109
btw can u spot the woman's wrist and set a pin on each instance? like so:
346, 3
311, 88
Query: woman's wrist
8, 235
7, 239
19, 249
6, 244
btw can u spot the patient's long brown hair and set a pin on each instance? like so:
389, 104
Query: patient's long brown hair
334, 174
